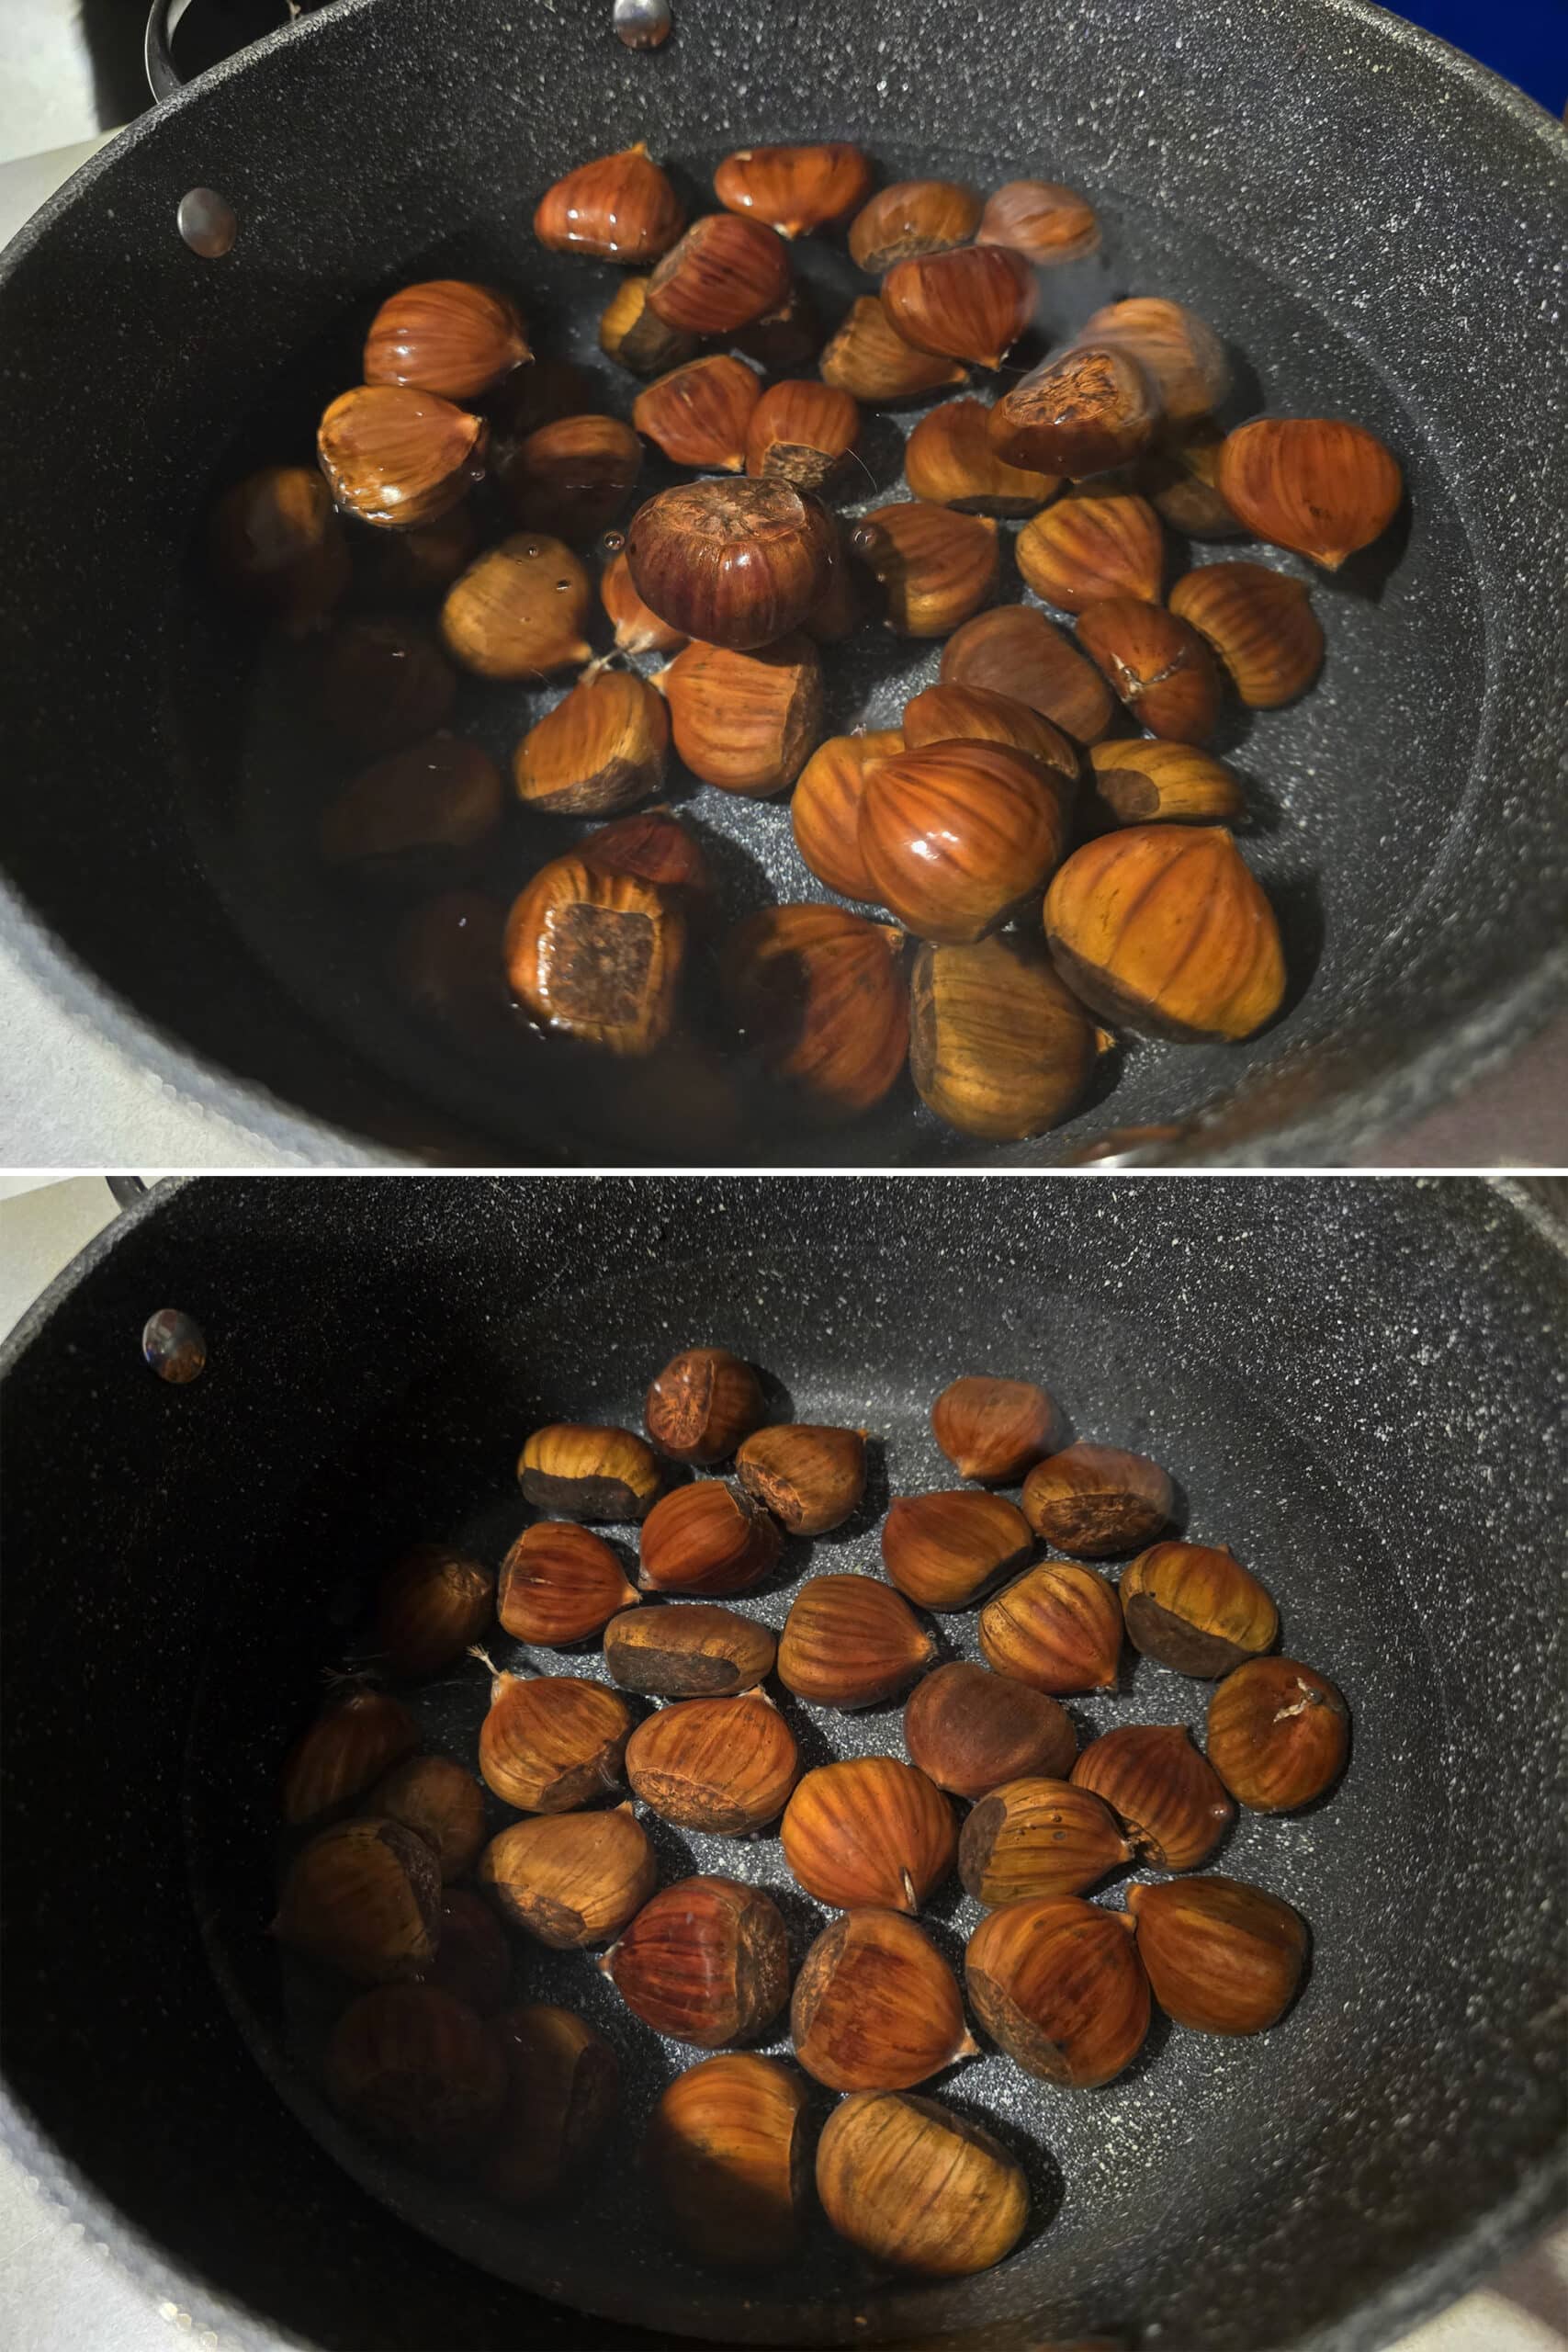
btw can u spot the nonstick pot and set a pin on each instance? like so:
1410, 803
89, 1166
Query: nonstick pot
1358, 1384
1376, 225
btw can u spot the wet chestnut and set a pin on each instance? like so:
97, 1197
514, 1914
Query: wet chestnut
1097, 1500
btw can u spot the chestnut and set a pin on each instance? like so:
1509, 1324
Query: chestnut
520, 610
810, 1476
377, 686
971, 303
1159, 666
596, 955
443, 794
583, 1471
994, 1429
801, 432
794, 189
1041, 218
727, 272
706, 1961
1015, 650
602, 747
998, 1046
934, 566
365, 1898
699, 414
550, 1743
782, 341
1097, 1500
559, 1584
637, 627
1058, 1983
278, 546
430, 1605
573, 476
970, 1730
472, 1960
1261, 624
726, 1765
654, 847
735, 563
1092, 546
875, 2007
1091, 409
1220, 1956
1316, 484
824, 810
617, 208
960, 837
441, 1803
868, 359
445, 335
689, 1649
1038, 1836
949, 460
394, 457
725, 2153
702, 1404
959, 714
636, 337
912, 217
357, 1736
745, 721
1179, 351
1180, 479
916, 2187
1277, 1735
563, 2095
850, 1641
817, 992
869, 1831
1147, 782
1194, 1607
708, 1538
1167, 1798
417, 2068
945, 1549
571, 1880
1057, 1628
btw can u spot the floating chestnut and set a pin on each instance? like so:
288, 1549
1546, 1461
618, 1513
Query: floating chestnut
708, 1538
994, 1429
1092, 546
1091, 409
636, 337
724, 2154
586, 1471
1097, 1500
441, 1803
357, 1736
960, 837
850, 1641
417, 2068
735, 563
949, 460
824, 810
998, 1046
563, 2095
727, 272
1261, 624
868, 359
617, 208
945, 1549
429, 1606
1036, 1836
869, 1831
810, 1476
1058, 1983
818, 993
707, 1962
1312, 483
1194, 1607
601, 748
278, 547
746, 722
1015, 650
1041, 218
970, 1730
794, 189
362, 1897
520, 610
1167, 1798
1278, 1734
935, 567
875, 2007
726, 1765
571, 1880
688, 1649
702, 1404
800, 431
596, 955
1058, 1627
550, 1743
1145, 782
699, 414
912, 217
1178, 350
916, 2187
395, 457
560, 1583
1220, 1956
445, 335
573, 476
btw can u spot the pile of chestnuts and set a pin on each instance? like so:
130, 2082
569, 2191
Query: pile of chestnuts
414, 1892
1038, 858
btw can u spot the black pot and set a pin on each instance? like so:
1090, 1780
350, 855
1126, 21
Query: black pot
1375, 219
1359, 1385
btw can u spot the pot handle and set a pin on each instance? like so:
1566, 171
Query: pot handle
208, 30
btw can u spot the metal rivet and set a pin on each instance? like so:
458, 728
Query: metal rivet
174, 1346
206, 223
642, 23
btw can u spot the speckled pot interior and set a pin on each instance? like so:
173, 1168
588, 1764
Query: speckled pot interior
1375, 226
1357, 1385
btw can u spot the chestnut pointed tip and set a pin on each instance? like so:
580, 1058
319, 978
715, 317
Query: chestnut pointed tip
911, 1902
968, 2048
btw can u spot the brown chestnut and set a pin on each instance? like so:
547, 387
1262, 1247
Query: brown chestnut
442, 795
637, 627
441, 1803
617, 208
472, 1960
735, 563
596, 955
726, 1765
702, 1404
912, 217
1038, 1836
994, 1429
1167, 1798
1057, 1628
1145, 782
1316, 484
573, 476
278, 546
850, 1641
395, 457
688, 1649
744, 722
1261, 624
559, 1584
1220, 1956
520, 610
1195, 1608
1178, 350
794, 189
998, 1046
727, 272
971, 1730
934, 566
1041, 218
875, 2006
1092, 546
810, 1476
418, 2069
971, 303
1059, 1985
869, 1831
365, 1898
725, 2153
584, 1471
1159, 666
1092, 408
1277, 1735
949, 460
563, 2095
699, 414
379, 684
445, 335
708, 1538
801, 432
636, 337
960, 837
868, 359
824, 810
818, 994
1095, 1500
945, 1549
916, 2187
706, 1961
429, 1606
571, 1880
602, 747
550, 1743
1015, 650
357, 1736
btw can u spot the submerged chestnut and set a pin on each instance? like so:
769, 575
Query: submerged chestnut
971, 1730
707, 1962
850, 1641
1059, 1985
727, 272
365, 1898
1194, 1607
1145, 782
571, 1879
1220, 1956
563, 2095
794, 189
1167, 1798
617, 208
636, 337
744, 722
596, 955
417, 2068
550, 1743
710, 1538
724, 2154
357, 1736
868, 359
702, 1404
1180, 353
584, 1471
912, 217
726, 1765
1015, 650
1038, 1836
801, 432
824, 810
949, 458
811, 1476
430, 1605
1277, 1735
573, 476
1041, 218
602, 747
961, 714
445, 335
699, 414
393, 456
441, 1803
735, 563
439, 796
278, 547
1057, 1628
998, 1046
934, 566
971, 303
945, 1549
1097, 1500
1314, 483
817, 992
688, 1649
560, 1583
520, 610
960, 837
993, 1429
637, 627
875, 2006
869, 1831
916, 2187
1160, 667
379, 684
1092, 408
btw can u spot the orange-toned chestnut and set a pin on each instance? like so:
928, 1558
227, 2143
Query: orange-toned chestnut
708, 1538
1038, 1836
1179, 352
727, 272
706, 1961
600, 748
934, 566
637, 627
945, 1549
442, 794
1041, 218
745, 721
1312, 483
971, 1730
1261, 624
636, 337
1093, 545
1091, 409
1195, 1608
1016, 650
1166, 1796
702, 1404
735, 563
596, 955
810, 1476
277, 545
958, 713
1159, 666
472, 1960
721, 1765
850, 1641
794, 189
868, 359
949, 460
520, 610
617, 208
688, 1649
998, 1046
916, 2187
429, 1606
971, 303
1278, 1734
1140, 781
875, 2006
655, 847
393, 456
357, 1736
563, 2095
572, 477
440, 1803
559, 1583
379, 684
1059, 1985
699, 414
583, 1470
365, 1898
800, 431
725, 2153
959, 837
912, 217
824, 810
1058, 1628
445, 335
1097, 1500
818, 993
1220, 1956
417, 2068
869, 1831
571, 1879
994, 1429
1162, 928
550, 1743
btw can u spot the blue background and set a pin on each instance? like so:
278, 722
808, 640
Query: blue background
1525, 41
